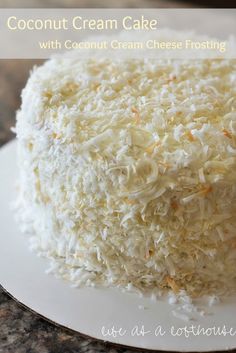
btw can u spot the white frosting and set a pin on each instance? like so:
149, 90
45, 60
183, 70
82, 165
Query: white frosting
127, 171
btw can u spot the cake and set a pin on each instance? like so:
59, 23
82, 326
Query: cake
128, 172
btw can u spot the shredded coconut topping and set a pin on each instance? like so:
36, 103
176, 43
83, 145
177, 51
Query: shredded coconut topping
128, 171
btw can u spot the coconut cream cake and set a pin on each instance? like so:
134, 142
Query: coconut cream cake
128, 172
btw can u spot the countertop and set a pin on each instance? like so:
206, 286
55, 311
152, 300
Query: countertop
22, 331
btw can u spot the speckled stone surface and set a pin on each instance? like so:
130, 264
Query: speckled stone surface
24, 332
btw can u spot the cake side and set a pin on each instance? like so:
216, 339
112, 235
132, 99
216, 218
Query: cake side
127, 171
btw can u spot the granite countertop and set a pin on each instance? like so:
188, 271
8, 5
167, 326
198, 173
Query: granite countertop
22, 331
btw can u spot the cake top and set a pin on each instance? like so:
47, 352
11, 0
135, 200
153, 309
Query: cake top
178, 113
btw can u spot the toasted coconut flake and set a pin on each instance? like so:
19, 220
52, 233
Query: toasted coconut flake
172, 284
136, 115
227, 133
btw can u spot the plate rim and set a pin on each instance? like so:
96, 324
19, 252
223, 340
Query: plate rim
85, 336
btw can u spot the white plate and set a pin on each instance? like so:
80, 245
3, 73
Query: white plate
87, 310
